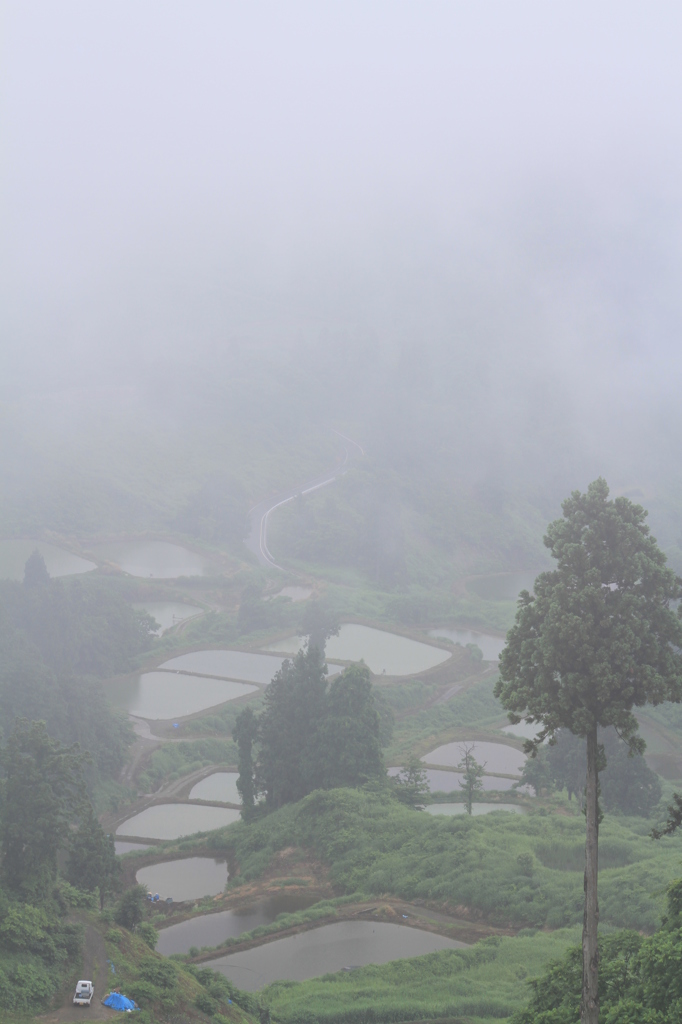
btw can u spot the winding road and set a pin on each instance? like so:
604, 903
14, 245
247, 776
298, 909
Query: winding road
257, 541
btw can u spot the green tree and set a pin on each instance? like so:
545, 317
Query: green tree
537, 773
131, 907
597, 639
35, 571
42, 792
93, 863
245, 734
295, 704
347, 739
472, 772
319, 623
411, 783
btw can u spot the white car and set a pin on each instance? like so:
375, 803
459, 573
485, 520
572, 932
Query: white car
85, 990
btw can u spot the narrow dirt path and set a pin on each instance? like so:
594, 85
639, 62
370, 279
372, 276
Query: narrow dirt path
95, 969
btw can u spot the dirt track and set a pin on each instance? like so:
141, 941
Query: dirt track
94, 969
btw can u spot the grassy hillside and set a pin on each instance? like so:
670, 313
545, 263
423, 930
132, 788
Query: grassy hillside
507, 869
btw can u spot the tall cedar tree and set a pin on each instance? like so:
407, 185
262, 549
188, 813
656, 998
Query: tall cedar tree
93, 863
472, 775
42, 792
597, 639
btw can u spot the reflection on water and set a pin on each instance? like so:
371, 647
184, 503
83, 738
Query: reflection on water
168, 613
170, 821
154, 558
15, 553
489, 644
160, 695
213, 929
187, 879
382, 652
323, 950
254, 668
476, 809
497, 757
504, 586
121, 847
219, 786
448, 782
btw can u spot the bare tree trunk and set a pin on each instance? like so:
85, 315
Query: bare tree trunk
589, 1004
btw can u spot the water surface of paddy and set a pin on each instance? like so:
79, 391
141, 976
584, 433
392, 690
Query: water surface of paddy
504, 586
497, 757
490, 645
168, 613
254, 668
170, 821
213, 929
152, 558
524, 730
187, 879
161, 695
219, 786
327, 949
476, 809
15, 553
448, 782
381, 651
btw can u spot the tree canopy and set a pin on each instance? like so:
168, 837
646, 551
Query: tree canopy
311, 735
597, 639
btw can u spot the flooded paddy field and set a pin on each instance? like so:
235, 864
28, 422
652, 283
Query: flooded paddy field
214, 929
497, 757
253, 668
188, 879
490, 645
330, 948
152, 559
382, 652
448, 782
163, 695
171, 821
221, 786
15, 553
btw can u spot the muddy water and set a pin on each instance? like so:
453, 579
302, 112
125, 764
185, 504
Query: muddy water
327, 949
187, 879
254, 668
15, 553
382, 652
213, 929
153, 558
161, 695
476, 809
448, 782
170, 821
490, 645
168, 613
497, 757
221, 786
504, 586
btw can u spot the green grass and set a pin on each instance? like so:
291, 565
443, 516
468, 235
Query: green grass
488, 981
374, 845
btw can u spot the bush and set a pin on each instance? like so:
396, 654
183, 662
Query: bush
148, 934
159, 972
130, 909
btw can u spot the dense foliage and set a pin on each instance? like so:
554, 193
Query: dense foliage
626, 782
639, 982
373, 844
56, 638
311, 734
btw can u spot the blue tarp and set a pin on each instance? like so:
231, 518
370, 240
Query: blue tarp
118, 1002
